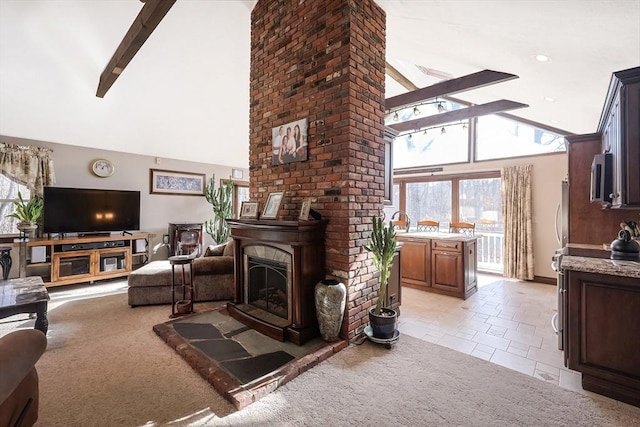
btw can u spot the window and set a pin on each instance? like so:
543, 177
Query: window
240, 194
429, 200
395, 206
443, 144
8, 193
498, 137
480, 202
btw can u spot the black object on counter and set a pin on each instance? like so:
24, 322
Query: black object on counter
624, 248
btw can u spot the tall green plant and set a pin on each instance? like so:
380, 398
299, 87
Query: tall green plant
221, 200
382, 245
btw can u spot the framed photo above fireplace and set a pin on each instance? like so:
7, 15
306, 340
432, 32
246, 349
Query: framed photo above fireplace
249, 210
289, 142
272, 206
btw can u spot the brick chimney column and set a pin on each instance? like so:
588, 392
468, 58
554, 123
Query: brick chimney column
324, 61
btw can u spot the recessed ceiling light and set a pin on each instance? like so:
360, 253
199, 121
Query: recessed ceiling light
549, 99
542, 58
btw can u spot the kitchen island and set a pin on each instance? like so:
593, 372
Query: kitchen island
444, 263
602, 325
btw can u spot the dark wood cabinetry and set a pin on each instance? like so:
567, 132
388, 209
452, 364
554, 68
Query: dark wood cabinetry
603, 329
620, 129
447, 266
582, 214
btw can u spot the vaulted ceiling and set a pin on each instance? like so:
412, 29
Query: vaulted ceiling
185, 95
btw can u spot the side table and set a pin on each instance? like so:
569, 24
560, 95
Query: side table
5, 261
182, 261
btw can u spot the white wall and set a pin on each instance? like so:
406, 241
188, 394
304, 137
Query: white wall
548, 172
72, 167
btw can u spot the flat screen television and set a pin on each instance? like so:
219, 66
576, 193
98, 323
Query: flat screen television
83, 210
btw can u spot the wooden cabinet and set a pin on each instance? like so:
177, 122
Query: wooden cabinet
415, 267
453, 267
582, 215
603, 332
443, 265
620, 129
82, 259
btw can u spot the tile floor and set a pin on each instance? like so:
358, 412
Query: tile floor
507, 322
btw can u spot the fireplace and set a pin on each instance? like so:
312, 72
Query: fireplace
278, 264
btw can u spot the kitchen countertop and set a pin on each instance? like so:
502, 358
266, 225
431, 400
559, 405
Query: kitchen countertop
611, 267
458, 237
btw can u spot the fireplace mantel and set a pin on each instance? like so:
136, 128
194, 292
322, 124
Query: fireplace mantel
304, 242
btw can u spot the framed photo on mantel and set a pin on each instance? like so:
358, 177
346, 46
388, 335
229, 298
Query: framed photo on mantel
272, 206
249, 210
304, 210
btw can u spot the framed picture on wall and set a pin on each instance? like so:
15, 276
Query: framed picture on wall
272, 206
289, 142
180, 183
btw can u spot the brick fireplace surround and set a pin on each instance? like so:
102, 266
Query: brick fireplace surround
324, 61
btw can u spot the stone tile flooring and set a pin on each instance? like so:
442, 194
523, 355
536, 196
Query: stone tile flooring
507, 322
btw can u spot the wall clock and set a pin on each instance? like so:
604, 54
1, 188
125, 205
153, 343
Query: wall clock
102, 168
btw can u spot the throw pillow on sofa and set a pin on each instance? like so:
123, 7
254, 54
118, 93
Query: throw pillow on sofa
215, 250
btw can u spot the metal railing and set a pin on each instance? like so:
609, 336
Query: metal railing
490, 252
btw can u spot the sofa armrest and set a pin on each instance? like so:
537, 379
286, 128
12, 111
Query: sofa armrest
19, 352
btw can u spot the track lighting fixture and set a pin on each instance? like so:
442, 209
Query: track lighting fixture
443, 131
395, 117
440, 107
416, 111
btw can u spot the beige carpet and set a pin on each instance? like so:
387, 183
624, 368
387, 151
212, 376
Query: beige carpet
106, 367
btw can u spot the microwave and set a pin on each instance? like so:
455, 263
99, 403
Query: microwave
601, 178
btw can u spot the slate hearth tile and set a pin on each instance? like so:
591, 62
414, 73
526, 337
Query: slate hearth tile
195, 331
247, 370
222, 349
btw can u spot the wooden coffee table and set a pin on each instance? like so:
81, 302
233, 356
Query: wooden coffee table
25, 295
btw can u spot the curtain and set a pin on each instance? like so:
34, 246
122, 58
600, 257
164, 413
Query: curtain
30, 166
517, 213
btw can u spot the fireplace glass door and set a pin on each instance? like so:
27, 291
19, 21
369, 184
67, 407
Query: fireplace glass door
267, 288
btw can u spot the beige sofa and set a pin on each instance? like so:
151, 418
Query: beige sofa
213, 279
19, 391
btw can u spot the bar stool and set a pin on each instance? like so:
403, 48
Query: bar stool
5, 261
182, 261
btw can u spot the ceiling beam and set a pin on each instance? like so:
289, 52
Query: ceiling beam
399, 77
456, 115
147, 20
448, 87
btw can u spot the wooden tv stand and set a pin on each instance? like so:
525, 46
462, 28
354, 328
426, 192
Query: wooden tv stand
64, 261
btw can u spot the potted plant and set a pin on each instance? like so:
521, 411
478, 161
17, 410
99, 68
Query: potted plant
221, 200
382, 245
27, 212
